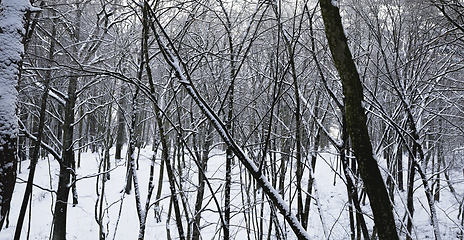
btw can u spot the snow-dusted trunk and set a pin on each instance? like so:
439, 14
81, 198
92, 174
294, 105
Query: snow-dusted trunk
101, 180
163, 137
159, 191
74, 78
131, 165
298, 155
169, 170
229, 159
417, 154
312, 166
410, 197
298, 138
440, 161
12, 21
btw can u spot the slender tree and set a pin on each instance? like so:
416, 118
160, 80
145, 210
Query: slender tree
67, 164
36, 150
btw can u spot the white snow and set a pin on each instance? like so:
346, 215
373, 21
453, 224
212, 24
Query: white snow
331, 198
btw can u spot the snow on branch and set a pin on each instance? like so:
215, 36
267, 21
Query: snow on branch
54, 93
337, 143
172, 57
47, 147
37, 186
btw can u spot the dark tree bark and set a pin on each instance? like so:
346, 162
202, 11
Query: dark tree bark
410, 196
61, 205
399, 165
356, 121
68, 163
317, 136
131, 165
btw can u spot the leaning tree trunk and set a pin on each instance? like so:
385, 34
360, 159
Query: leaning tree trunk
356, 121
185, 80
12, 14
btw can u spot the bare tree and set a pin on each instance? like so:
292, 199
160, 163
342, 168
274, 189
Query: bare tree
356, 121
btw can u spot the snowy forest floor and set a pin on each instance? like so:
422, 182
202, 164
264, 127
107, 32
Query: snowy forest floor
331, 196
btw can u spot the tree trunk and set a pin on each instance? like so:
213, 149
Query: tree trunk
67, 165
80, 131
131, 165
399, 165
201, 181
12, 14
159, 191
299, 163
59, 218
356, 121
230, 110
120, 137
440, 161
229, 159
36, 151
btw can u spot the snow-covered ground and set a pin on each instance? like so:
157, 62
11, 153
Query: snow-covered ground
331, 196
